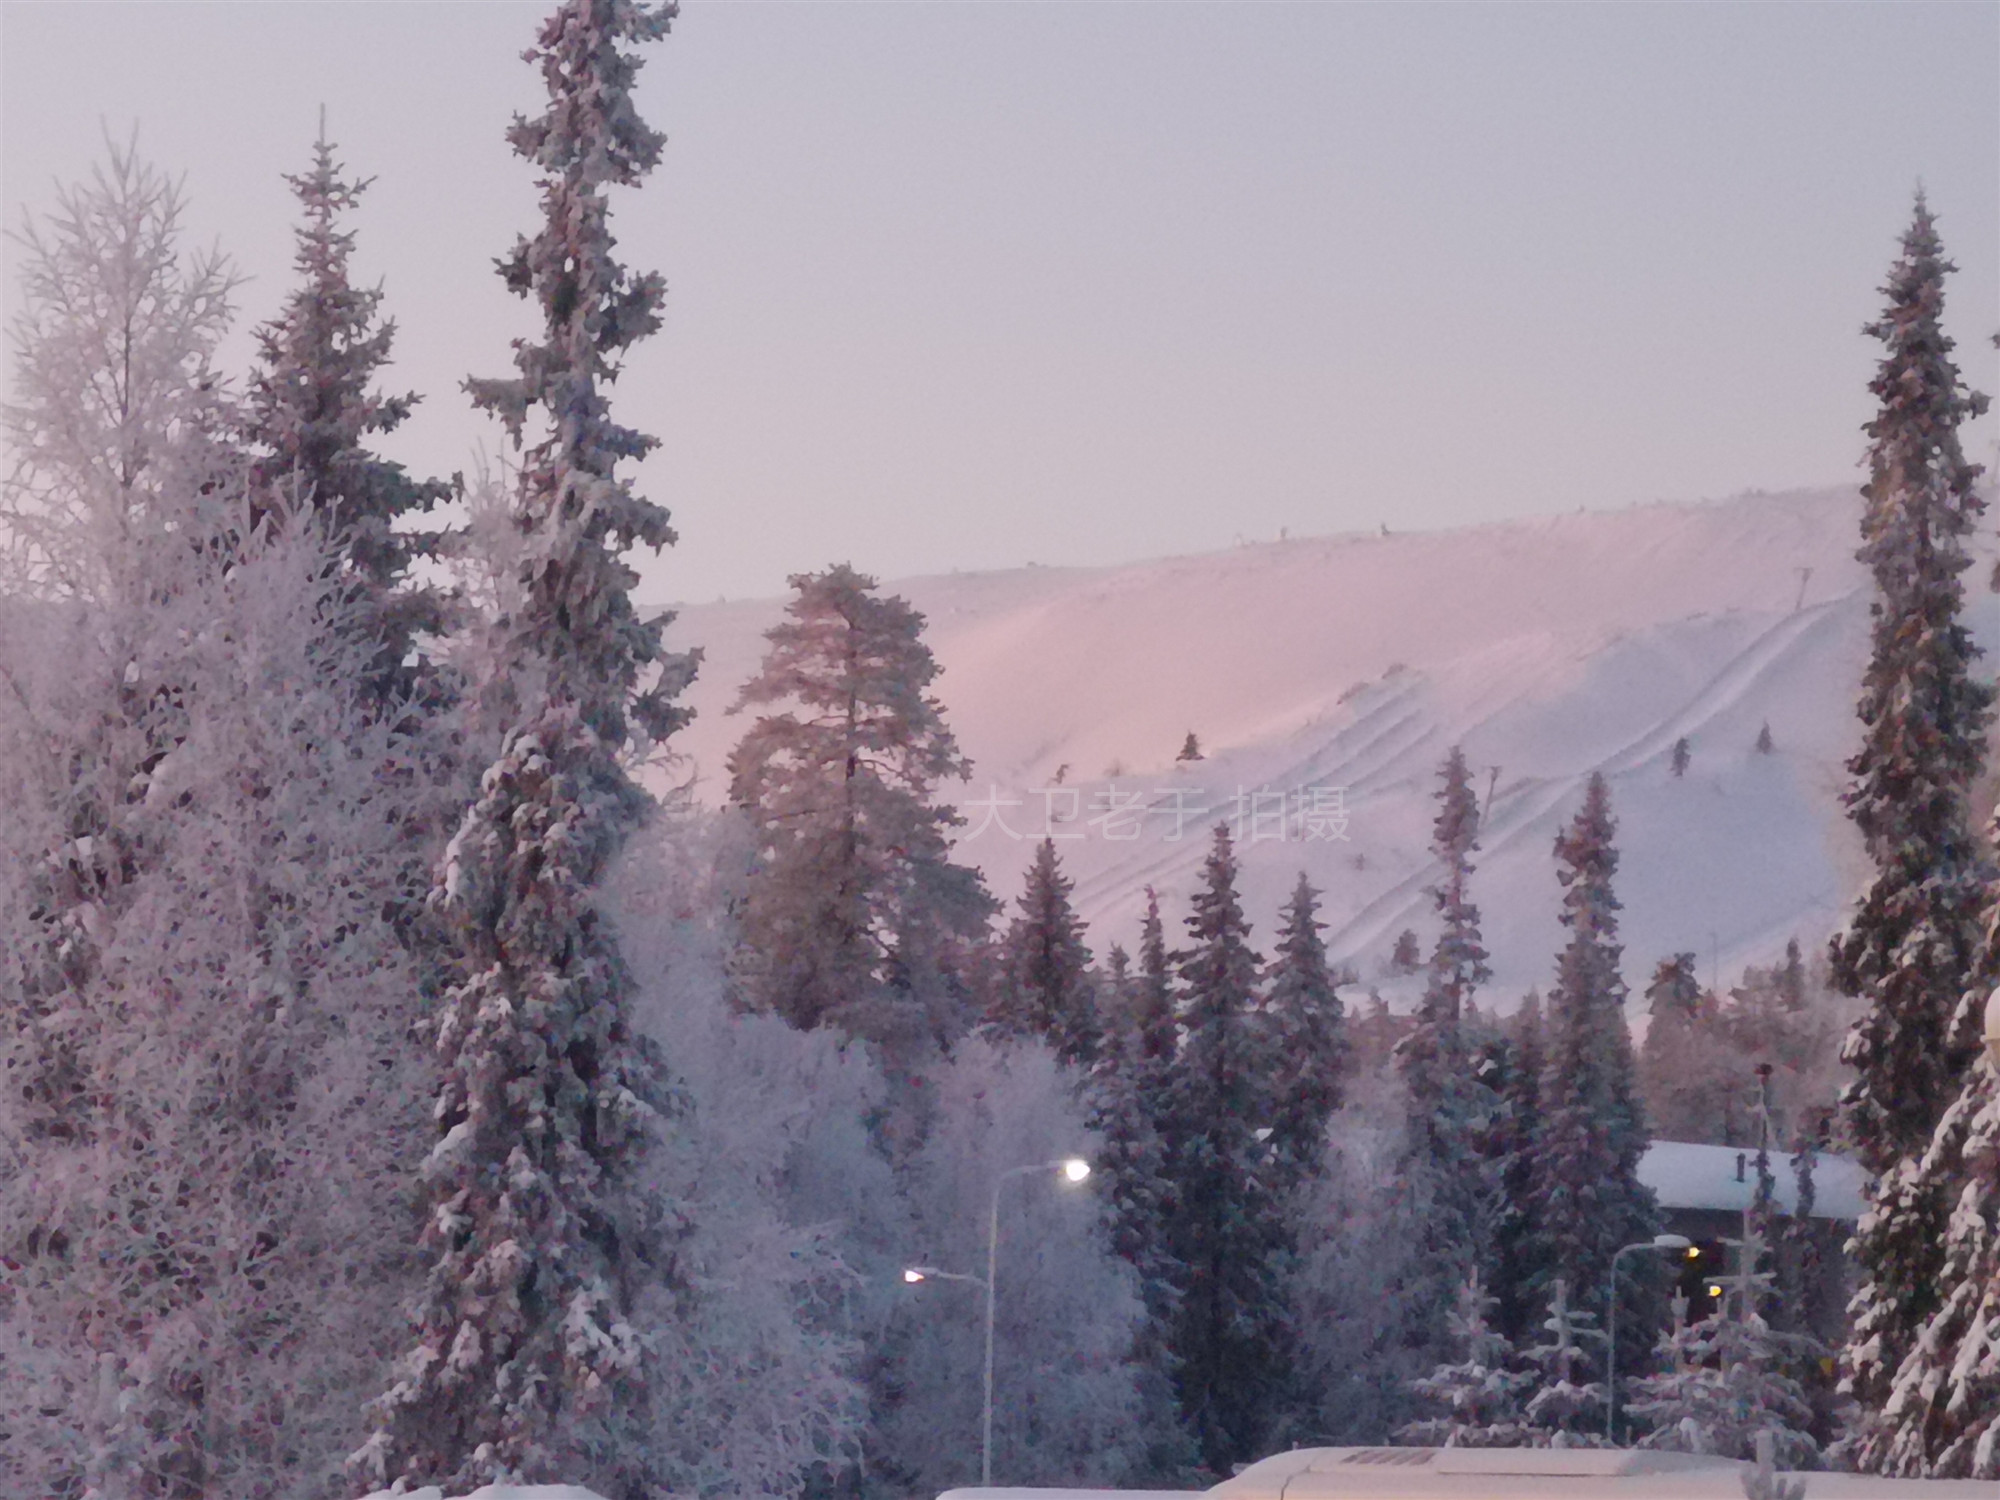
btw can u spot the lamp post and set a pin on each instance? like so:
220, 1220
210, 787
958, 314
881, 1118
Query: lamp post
1657, 1242
1073, 1169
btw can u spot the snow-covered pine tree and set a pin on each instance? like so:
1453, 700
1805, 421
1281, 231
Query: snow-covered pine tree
852, 891
1481, 1397
1674, 997
1045, 987
1909, 946
1154, 1010
1308, 1039
1942, 1416
1518, 1259
1585, 1198
1566, 1409
1454, 1188
1726, 1379
311, 412
530, 1360
1458, 963
1227, 1234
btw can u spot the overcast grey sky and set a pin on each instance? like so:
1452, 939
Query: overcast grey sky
966, 285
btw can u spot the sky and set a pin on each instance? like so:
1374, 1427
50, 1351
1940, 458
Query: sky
969, 285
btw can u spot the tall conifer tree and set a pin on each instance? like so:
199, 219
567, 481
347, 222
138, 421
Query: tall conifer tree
527, 1365
1518, 1269
1453, 1186
1153, 994
1308, 1037
1909, 947
854, 914
1130, 1164
312, 411
1227, 1232
1046, 988
1585, 1196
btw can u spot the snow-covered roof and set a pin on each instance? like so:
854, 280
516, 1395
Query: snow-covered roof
1684, 1175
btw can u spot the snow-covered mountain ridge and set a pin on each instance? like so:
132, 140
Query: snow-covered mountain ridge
1326, 677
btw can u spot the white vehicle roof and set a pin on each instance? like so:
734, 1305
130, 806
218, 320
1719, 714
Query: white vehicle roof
1505, 1474
1544, 1474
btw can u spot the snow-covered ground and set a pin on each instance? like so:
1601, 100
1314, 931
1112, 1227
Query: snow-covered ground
1326, 677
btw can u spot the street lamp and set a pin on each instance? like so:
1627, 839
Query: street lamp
1657, 1242
931, 1273
1073, 1169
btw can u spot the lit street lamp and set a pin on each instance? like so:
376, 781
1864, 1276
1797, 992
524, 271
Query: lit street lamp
1073, 1169
1657, 1242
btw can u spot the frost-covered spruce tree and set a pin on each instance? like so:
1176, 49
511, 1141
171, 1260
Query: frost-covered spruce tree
1307, 1026
530, 1354
1942, 1416
853, 914
1726, 1379
1585, 1198
312, 411
1566, 1409
1481, 1397
1910, 945
1228, 1234
1453, 1186
1045, 988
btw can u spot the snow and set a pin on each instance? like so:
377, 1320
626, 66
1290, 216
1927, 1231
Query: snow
496, 1492
1549, 647
1691, 1176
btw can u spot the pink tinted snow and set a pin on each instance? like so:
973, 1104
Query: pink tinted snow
1549, 648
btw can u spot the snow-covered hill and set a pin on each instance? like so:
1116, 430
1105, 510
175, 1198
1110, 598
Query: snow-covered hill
1326, 677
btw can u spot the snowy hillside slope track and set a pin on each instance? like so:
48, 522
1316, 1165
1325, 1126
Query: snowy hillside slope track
1334, 673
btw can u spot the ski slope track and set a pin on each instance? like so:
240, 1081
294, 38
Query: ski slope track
1326, 678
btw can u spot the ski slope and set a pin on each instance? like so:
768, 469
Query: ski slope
1326, 677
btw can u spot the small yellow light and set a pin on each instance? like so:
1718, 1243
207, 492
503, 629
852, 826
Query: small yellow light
913, 1276
1715, 1291
1076, 1169
1694, 1252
